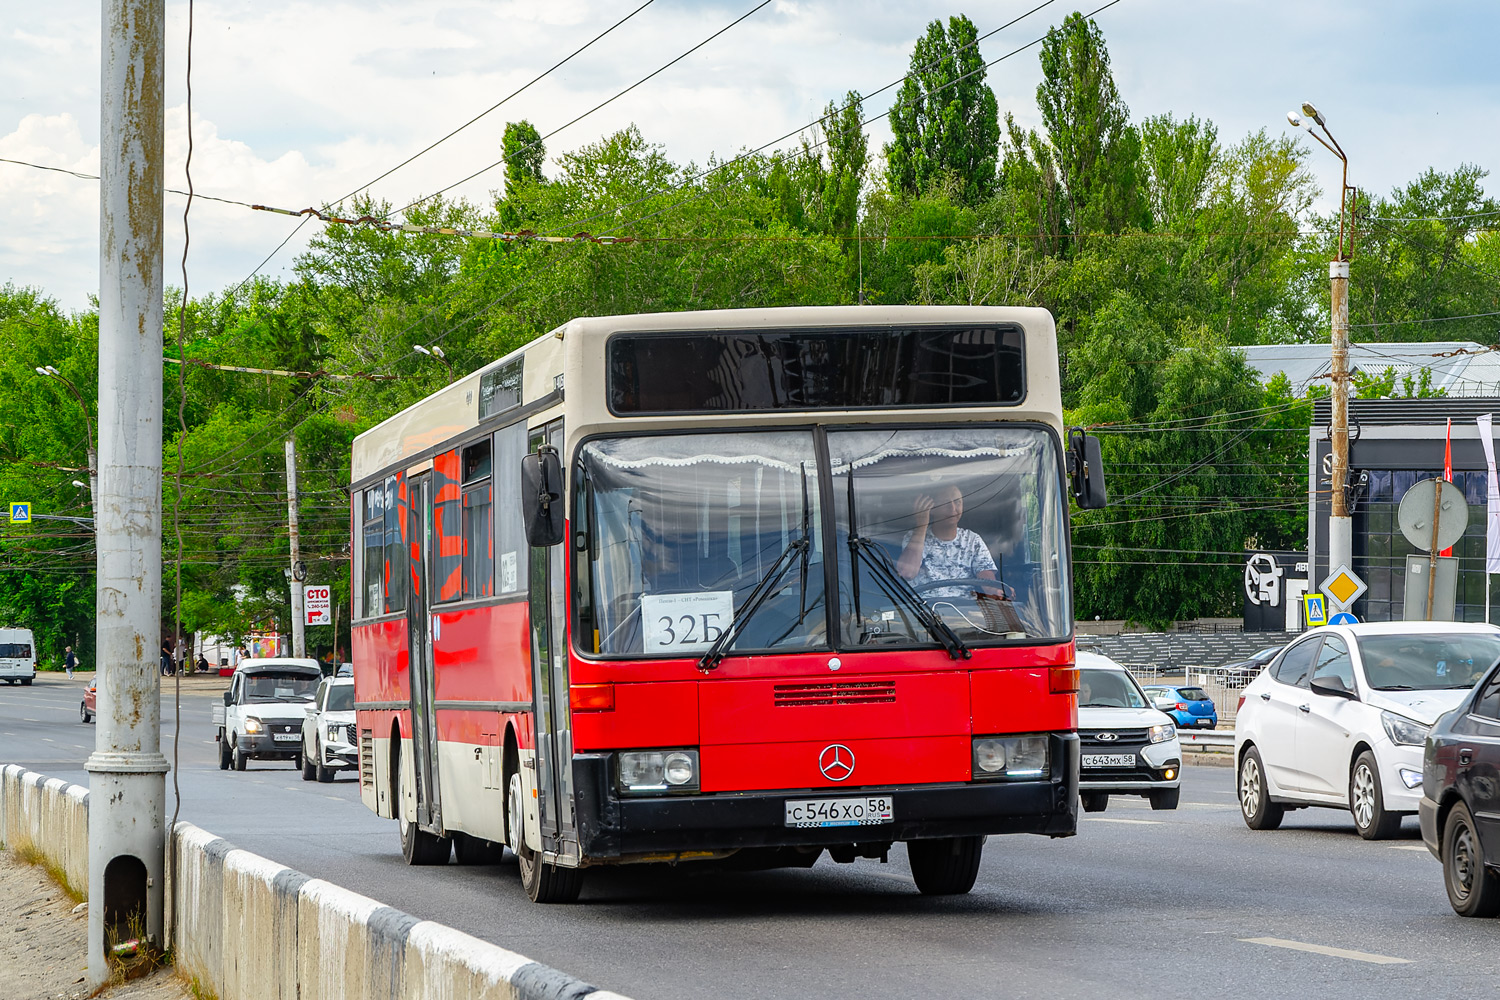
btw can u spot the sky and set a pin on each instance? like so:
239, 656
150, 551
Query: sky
299, 103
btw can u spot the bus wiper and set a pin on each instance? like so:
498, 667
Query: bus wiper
896, 585
797, 548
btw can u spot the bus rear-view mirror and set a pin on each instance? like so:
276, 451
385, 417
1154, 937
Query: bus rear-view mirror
541, 497
1086, 470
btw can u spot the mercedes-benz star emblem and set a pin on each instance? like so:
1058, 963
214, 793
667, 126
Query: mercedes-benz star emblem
1107, 737
836, 762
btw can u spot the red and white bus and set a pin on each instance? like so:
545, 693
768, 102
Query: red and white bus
734, 586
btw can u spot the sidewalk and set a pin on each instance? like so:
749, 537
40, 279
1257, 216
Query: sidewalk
44, 950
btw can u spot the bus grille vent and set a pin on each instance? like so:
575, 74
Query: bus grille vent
835, 693
367, 758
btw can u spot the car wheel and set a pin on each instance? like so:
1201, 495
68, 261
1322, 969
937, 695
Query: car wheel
307, 767
944, 866
240, 760
83, 712
1255, 796
543, 882
223, 752
1371, 818
1165, 798
1473, 890
1094, 802
324, 773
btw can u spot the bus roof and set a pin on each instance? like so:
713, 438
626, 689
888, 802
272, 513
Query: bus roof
576, 350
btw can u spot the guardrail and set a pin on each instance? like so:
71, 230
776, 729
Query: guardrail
1209, 740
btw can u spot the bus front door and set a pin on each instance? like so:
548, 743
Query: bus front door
420, 663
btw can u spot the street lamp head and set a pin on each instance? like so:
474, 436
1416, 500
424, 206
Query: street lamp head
41, 371
1291, 116
420, 349
438, 351
1312, 112
79, 483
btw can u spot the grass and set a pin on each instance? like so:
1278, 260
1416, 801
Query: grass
30, 854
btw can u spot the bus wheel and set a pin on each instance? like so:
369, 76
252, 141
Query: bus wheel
945, 866
419, 847
469, 850
543, 882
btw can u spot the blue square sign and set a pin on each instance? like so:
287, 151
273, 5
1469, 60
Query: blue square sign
20, 512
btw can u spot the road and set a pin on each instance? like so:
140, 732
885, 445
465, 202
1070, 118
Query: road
1139, 904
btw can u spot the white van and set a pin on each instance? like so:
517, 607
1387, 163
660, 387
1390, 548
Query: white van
17, 655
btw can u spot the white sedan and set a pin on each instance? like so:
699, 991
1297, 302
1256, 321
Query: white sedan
1340, 716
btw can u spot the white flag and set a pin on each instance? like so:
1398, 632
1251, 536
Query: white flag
1492, 519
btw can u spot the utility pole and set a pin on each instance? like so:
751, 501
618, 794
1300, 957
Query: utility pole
298, 572
127, 783
1340, 523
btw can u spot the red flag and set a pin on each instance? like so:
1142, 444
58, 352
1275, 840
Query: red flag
1448, 470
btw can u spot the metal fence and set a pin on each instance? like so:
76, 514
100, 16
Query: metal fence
1224, 688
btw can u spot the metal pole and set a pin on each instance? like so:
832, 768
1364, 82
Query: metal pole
1340, 524
299, 637
127, 785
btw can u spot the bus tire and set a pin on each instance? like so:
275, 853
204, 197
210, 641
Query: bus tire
470, 850
419, 847
543, 882
945, 866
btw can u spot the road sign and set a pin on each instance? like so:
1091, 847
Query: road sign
1342, 587
1343, 618
1417, 507
20, 512
1315, 609
317, 603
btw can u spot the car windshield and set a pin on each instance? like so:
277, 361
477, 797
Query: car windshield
1098, 688
341, 698
262, 688
968, 521
1427, 662
1192, 694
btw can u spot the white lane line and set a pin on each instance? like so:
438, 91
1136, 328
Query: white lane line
1409, 847
1323, 949
1135, 822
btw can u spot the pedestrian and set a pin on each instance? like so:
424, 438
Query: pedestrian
166, 658
69, 661
202, 665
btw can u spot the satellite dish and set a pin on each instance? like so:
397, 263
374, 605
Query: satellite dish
1415, 514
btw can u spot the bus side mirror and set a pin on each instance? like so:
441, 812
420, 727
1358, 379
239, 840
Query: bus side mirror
1086, 470
541, 496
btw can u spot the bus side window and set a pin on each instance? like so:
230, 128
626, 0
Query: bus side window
372, 555
511, 550
478, 534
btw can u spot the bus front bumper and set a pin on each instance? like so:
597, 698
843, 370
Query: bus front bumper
612, 826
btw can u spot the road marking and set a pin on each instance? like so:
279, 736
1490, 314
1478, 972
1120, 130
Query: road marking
1135, 822
1408, 847
1322, 949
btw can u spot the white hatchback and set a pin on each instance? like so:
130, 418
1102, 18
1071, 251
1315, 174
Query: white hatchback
1128, 747
1340, 716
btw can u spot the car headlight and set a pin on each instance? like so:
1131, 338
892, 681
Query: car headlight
1010, 757
645, 771
252, 725
335, 734
1160, 734
1403, 731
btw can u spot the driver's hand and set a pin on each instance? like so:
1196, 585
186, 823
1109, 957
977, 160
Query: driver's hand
922, 508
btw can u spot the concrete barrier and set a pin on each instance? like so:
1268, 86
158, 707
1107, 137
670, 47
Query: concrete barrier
49, 815
246, 927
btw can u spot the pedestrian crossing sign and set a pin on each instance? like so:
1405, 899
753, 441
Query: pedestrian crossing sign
1316, 609
20, 512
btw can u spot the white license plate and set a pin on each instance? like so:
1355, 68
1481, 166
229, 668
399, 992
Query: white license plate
838, 812
286, 737
1109, 760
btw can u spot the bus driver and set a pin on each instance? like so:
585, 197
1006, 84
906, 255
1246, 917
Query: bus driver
938, 549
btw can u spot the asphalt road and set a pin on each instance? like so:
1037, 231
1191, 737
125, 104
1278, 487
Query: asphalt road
1139, 904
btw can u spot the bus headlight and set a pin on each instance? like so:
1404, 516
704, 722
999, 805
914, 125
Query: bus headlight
645, 771
1010, 757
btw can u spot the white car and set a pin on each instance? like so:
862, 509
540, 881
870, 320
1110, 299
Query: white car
1128, 747
263, 711
328, 735
1340, 716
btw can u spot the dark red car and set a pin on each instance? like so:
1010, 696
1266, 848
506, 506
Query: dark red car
90, 705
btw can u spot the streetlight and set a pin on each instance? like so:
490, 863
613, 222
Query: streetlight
49, 372
435, 352
1340, 524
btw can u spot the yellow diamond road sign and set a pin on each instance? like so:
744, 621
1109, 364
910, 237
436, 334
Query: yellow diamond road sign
1343, 587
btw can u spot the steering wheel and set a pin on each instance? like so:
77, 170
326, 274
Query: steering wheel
964, 581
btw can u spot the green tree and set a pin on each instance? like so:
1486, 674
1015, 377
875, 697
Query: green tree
524, 155
945, 120
1178, 160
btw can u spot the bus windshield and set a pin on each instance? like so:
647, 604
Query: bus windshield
969, 519
957, 539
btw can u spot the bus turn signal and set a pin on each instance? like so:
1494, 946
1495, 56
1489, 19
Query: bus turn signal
592, 697
1062, 680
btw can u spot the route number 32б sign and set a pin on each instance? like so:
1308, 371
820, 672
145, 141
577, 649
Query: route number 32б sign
685, 623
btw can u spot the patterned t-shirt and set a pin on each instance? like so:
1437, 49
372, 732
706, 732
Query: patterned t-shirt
965, 555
